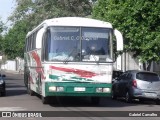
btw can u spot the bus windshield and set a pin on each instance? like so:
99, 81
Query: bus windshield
78, 44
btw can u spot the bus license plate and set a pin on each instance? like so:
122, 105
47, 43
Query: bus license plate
79, 89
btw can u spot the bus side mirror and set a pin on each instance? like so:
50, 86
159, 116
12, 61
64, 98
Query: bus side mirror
119, 40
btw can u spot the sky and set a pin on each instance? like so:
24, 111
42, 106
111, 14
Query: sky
6, 8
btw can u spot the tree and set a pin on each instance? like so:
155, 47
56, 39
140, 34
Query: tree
30, 13
2, 27
13, 43
139, 22
35, 11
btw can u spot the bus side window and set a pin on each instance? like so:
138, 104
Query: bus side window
29, 43
26, 42
33, 41
44, 45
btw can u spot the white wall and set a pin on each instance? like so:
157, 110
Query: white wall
131, 63
126, 62
10, 65
156, 67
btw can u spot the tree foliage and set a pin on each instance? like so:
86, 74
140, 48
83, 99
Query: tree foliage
13, 42
139, 22
2, 27
35, 11
30, 13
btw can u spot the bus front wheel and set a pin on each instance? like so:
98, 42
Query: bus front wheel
45, 100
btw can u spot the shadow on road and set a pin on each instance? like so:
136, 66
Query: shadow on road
14, 85
105, 102
15, 92
70, 102
86, 102
15, 77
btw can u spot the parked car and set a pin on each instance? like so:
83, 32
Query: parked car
135, 84
2, 85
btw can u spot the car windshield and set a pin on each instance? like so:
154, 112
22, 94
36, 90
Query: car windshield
78, 44
147, 76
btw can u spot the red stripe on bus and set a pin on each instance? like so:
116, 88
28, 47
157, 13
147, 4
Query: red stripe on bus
82, 73
39, 65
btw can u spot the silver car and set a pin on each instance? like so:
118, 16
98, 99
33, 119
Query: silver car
135, 84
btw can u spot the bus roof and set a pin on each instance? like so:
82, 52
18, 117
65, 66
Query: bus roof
73, 21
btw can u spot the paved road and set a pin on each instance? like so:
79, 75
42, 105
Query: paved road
17, 99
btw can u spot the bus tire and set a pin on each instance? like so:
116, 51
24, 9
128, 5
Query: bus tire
45, 100
113, 96
95, 100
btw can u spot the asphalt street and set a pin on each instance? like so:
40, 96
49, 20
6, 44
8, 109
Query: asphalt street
17, 99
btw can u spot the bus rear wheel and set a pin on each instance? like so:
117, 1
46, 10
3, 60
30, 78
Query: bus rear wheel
95, 100
113, 95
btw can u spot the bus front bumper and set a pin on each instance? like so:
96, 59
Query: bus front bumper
77, 89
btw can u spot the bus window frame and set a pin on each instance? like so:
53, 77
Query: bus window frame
109, 38
44, 43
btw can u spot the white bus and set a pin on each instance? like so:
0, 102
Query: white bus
70, 56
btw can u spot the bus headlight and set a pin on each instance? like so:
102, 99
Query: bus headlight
56, 89
99, 90
52, 89
105, 90
60, 89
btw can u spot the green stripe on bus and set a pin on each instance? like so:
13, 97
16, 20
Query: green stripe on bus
55, 77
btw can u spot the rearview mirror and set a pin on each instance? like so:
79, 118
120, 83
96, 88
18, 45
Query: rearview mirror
119, 39
39, 36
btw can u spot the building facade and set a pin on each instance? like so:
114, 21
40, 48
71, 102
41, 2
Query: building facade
127, 62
